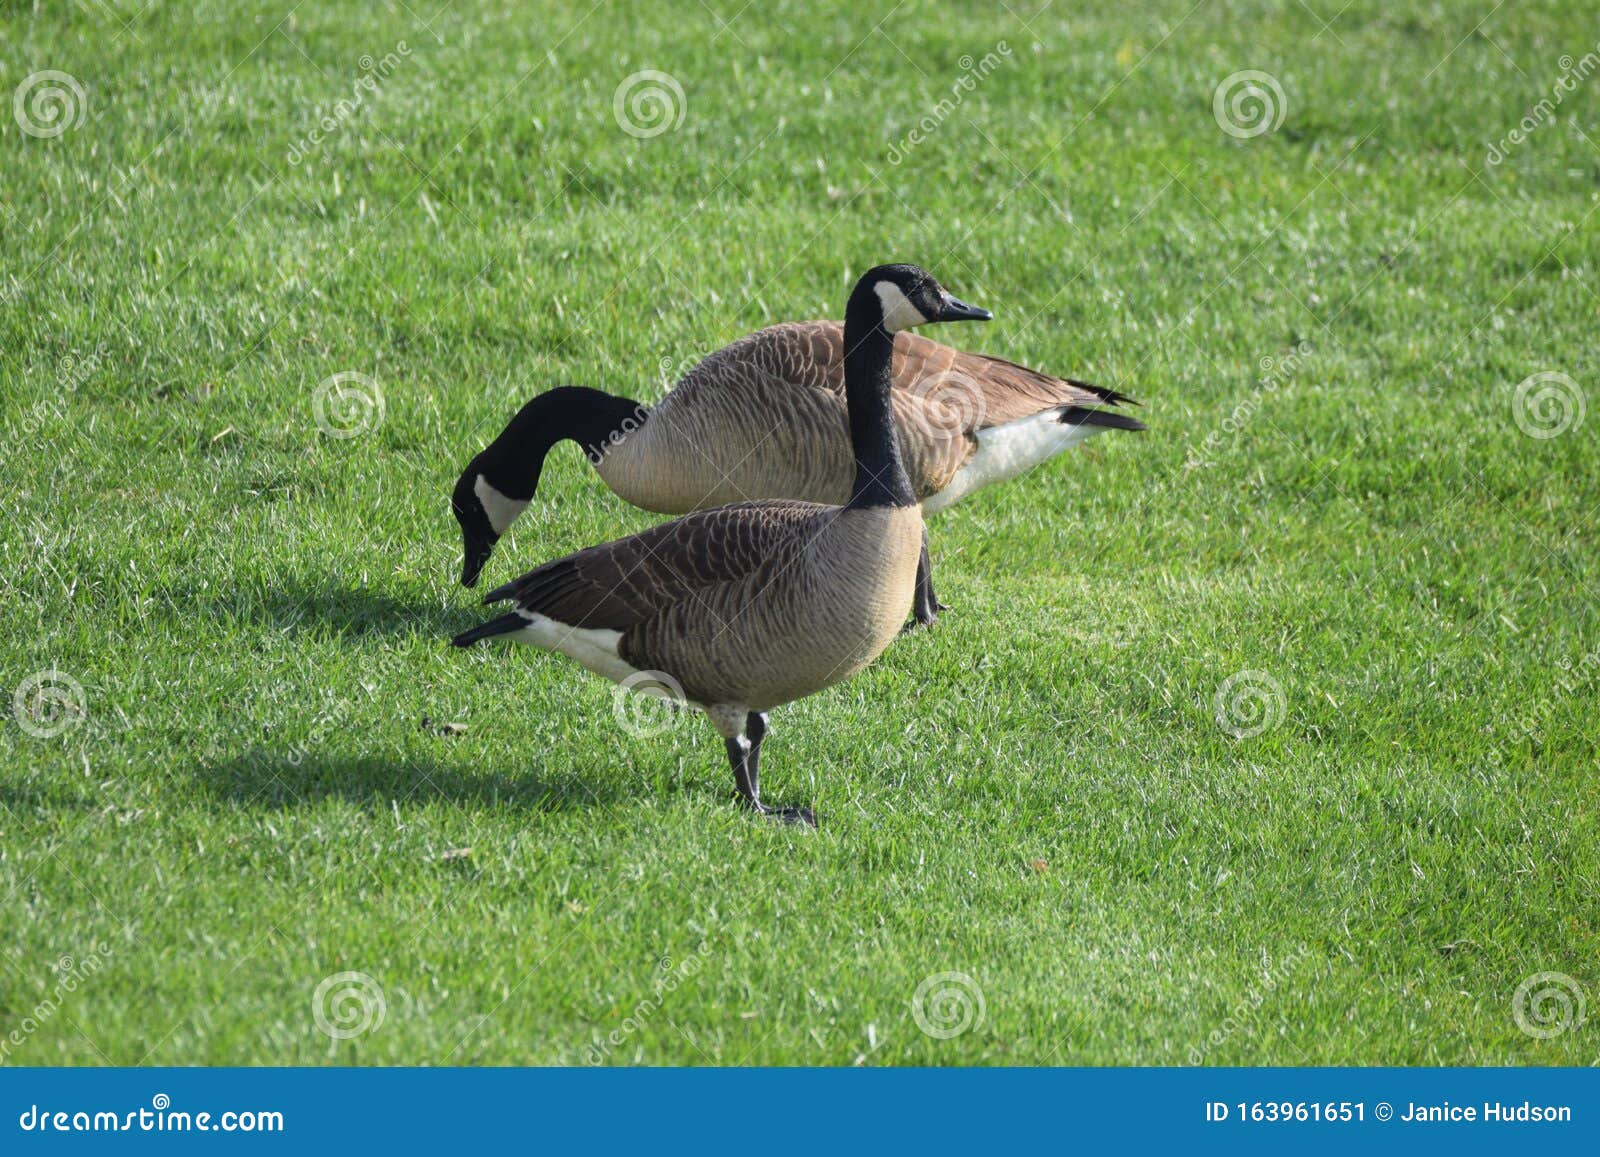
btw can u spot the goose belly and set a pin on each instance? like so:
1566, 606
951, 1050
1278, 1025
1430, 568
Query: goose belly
807, 625
1005, 451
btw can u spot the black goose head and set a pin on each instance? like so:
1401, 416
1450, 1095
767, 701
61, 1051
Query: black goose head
886, 300
478, 533
500, 482
905, 296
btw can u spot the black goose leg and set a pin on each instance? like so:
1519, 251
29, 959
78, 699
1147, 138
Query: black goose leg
926, 606
744, 753
739, 759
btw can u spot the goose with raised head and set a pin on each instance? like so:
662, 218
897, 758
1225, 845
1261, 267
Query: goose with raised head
750, 606
765, 417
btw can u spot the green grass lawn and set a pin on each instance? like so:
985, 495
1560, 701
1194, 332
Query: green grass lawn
1266, 737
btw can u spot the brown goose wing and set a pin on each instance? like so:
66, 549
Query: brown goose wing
811, 354
942, 398
618, 585
1001, 391
790, 354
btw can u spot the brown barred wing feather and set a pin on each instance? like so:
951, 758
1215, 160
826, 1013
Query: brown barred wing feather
619, 585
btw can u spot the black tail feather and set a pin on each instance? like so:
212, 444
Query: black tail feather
1084, 416
504, 625
1110, 397
503, 592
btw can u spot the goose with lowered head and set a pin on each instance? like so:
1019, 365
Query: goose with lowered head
766, 417
750, 606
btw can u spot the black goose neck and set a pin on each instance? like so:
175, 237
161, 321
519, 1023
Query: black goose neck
592, 418
868, 385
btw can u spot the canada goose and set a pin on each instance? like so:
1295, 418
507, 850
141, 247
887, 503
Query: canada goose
750, 606
764, 417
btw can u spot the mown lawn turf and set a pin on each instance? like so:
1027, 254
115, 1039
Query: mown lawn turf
1335, 508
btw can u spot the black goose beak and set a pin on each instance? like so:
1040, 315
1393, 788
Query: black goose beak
474, 554
955, 310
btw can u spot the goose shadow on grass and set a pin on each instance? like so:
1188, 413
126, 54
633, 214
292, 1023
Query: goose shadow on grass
26, 799
330, 607
271, 778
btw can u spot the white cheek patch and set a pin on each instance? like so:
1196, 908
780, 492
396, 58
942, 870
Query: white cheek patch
502, 511
898, 312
